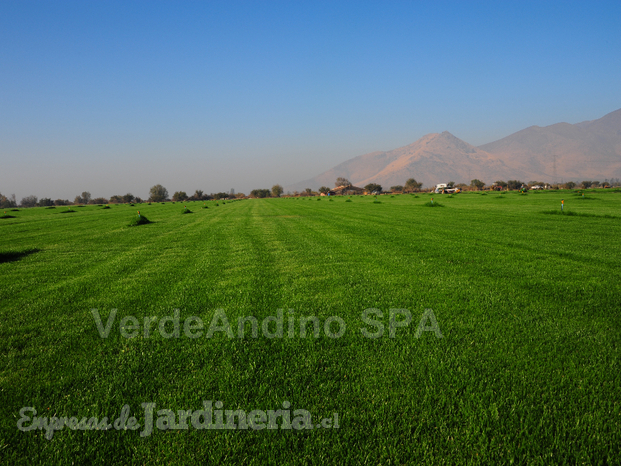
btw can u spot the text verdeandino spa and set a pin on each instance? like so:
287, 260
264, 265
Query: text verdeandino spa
278, 326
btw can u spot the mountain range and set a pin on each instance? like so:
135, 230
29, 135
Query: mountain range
587, 150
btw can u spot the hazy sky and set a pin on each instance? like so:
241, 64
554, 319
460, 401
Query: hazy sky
114, 97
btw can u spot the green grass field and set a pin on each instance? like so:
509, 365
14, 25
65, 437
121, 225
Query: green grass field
529, 306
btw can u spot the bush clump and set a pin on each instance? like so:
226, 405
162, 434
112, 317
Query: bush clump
569, 213
139, 220
186, 210
432, 204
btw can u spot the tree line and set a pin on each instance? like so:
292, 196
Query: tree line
159, 193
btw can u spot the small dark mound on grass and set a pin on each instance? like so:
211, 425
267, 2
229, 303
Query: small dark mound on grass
79, 206
186, 211
131, 205
377, 202
11, 256
139, 220
348, 200
68, 211
14, 210
205, 207
330, 200
7, 216
432, 204
51, 207
319, 199
570, 213
106, 207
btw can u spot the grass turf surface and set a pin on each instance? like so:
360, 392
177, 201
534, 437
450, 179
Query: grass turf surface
528, 304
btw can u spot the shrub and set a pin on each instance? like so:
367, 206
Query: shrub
139, 220
432, 204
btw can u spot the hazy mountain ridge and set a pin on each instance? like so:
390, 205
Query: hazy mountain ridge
562, 151
590, 149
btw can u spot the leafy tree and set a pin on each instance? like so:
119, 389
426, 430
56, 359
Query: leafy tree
99, 200
595, 184
411, 185
277, 190
514, 184
502, 184
586, 184
116, 199
477, 184
219, 196
373, 187
29, 201
570, 185
260, 193
86, 196
324, 190
128, 198
450, 184
6, 202
340, 181
197, 196
158, 193
397, 189
308, 192
179, 196
61, 202
45, 202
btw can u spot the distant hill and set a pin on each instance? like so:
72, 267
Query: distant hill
434, 158
587, 150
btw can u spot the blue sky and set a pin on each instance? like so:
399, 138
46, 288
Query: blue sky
114, 97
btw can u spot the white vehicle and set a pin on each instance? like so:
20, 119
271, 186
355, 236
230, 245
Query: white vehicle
444, 189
